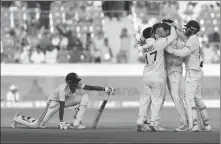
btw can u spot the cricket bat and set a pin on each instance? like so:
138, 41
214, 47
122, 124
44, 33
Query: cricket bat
99, 112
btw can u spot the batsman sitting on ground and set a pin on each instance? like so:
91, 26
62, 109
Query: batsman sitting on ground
68, 94
154, 77
194, 74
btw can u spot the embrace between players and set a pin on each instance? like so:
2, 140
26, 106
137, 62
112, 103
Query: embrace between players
165, 49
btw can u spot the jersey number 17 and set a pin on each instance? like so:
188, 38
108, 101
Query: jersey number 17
152, 57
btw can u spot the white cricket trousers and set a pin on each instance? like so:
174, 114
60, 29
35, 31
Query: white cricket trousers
153, 94
69, 102
174, 87
193, 97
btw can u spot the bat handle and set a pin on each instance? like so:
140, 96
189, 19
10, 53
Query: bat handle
107, 97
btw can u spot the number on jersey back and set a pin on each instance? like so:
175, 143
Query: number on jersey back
150, 52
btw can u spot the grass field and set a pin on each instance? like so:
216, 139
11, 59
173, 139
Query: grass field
115, 125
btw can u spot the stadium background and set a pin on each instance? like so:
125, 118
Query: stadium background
95, 31
42, 41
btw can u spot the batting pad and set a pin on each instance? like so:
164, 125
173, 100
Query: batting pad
26, 121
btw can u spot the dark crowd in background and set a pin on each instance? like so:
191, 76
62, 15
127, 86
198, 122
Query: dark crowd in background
74, 31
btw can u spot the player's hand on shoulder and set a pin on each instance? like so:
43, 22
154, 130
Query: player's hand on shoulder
109, 90
141, 42
63, 125
169, 50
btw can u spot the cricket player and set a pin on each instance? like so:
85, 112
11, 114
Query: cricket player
194, 74
174, 71
68, 94
146, 120
154, 77
142, 122
13, 95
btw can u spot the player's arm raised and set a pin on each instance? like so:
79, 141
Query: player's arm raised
181, 35
179, 32
108, 90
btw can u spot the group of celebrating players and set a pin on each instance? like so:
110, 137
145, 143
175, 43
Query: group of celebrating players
165, 48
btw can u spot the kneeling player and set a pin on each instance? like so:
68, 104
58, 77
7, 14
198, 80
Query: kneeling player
68, 94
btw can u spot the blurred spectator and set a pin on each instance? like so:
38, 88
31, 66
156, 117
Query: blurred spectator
208, 53
19, 4
98, 46
8, 45
87, 57
63, 54
45, 41
51, 55
108, 55
73, 41
24, 54
37, 56
56, 41
216, 58
13, 95
3, 55
123, 55
75, 56
64, 43
88, 49
33, 26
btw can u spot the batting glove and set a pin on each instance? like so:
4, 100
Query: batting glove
63, 125
109, 90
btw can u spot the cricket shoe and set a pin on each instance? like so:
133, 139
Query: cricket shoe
154, 127
14, 124
16, 116
207, 128
188, 129
77, 125
42, 126
162, 129
182, 128
143, 128
195, 128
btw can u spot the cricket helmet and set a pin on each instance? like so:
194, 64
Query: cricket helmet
193, 25
72, 77
147, 32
